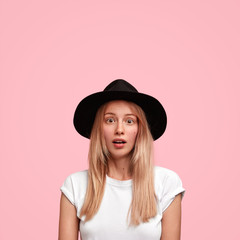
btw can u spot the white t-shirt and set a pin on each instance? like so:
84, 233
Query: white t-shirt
110, 222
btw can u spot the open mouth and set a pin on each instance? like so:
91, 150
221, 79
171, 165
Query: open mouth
119, 142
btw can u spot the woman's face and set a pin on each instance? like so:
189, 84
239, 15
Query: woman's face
120, 128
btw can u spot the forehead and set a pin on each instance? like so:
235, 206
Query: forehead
119, 105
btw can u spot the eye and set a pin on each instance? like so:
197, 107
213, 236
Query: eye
110, 120
130, 121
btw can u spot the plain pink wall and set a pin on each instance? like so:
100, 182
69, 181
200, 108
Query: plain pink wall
54, 53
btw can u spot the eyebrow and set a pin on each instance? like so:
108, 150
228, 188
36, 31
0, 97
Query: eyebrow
128, 114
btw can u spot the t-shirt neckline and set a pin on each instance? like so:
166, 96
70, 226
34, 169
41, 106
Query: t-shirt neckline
118, 183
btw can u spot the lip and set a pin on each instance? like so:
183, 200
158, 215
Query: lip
119, 145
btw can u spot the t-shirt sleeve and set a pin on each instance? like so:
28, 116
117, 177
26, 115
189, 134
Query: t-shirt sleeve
172, 186
68, 189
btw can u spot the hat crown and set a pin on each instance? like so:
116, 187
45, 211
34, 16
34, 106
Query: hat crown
120, 85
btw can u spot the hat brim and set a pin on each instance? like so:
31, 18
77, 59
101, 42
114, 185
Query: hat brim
86, 111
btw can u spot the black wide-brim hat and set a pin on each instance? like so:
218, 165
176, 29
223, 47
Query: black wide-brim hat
120, 90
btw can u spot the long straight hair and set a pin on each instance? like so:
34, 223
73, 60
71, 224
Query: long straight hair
143, 205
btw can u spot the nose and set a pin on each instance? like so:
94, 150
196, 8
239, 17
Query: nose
119, 128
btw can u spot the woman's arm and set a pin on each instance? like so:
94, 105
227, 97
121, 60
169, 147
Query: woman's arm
171, 221
68, 220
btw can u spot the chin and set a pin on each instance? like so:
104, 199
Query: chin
117, 155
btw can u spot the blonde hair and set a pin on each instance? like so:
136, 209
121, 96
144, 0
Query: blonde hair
143, 206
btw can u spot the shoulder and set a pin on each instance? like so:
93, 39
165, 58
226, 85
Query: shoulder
165, 178
75, 185
79, 178
162, 173
80, 175
76, 181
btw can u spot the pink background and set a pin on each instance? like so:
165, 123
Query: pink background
54, 53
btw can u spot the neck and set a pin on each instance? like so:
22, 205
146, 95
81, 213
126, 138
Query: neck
119, 169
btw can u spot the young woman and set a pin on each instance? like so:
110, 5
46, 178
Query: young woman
122, 195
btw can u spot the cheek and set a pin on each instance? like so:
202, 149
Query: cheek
133, 134
106, 133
